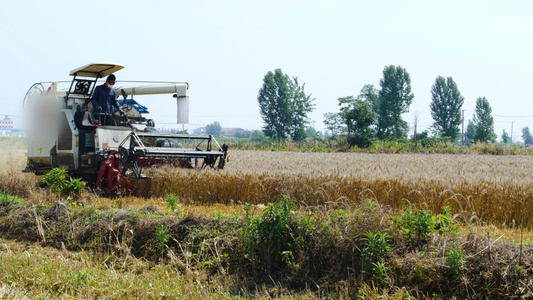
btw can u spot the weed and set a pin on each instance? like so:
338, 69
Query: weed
519, 269
161, 238
172, 201
376, 247
419, 225
444, 221
270, 234
5, 197
455, 263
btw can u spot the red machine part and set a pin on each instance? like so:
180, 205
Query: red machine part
110, 179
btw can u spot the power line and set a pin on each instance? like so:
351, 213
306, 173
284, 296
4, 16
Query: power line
502, 116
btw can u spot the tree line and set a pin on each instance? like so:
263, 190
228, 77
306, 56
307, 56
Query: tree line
376, 113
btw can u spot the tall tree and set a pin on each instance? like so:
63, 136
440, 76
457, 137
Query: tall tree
284, 106
395, 97
470, 134
358, 116
526, 136
505, 137
369, 94
483, 121
215, 128
446, 107
334, 123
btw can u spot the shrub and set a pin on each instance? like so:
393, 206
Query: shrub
419, 225
270, 236
56, 179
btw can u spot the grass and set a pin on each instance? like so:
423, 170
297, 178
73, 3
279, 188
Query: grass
310, 253
32, 271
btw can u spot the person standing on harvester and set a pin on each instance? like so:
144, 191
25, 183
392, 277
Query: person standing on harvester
104, 96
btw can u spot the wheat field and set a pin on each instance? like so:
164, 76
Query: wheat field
481, 187
495, 189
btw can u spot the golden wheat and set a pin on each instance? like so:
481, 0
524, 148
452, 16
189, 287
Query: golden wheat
486, 188
481, 187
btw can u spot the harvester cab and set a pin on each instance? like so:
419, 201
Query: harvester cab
106, 148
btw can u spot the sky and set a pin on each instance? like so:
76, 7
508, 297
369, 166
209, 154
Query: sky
223, 49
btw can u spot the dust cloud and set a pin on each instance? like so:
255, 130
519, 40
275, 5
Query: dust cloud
12, 154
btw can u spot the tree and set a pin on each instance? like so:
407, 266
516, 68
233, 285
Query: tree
369, 94
483, 121
334, 124
311, 132
257, 136
284, 106
526, 136
214, 128
395, 97
246, 134
358, 116
470, 133
446, 107
505, 137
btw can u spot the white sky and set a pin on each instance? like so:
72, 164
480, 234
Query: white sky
224, 49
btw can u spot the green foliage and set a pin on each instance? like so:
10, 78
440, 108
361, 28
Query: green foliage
161, 238
483, 121
505, 137
270, 235
376, 247
284, 106
446, 104
526, 136
214, 129
428, 141
57, 180
172, 201
370, 95
395, 97
334, 123
419, 225
470, 134
257, 136
6, 197
72, 187
358, 116
455, 263
389, 146
444, 222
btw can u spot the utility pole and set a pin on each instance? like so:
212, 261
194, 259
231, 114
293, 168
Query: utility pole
512, 133
463, 128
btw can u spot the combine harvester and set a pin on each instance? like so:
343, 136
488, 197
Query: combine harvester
105, 149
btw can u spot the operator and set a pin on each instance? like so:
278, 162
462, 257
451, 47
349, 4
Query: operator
104, 97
